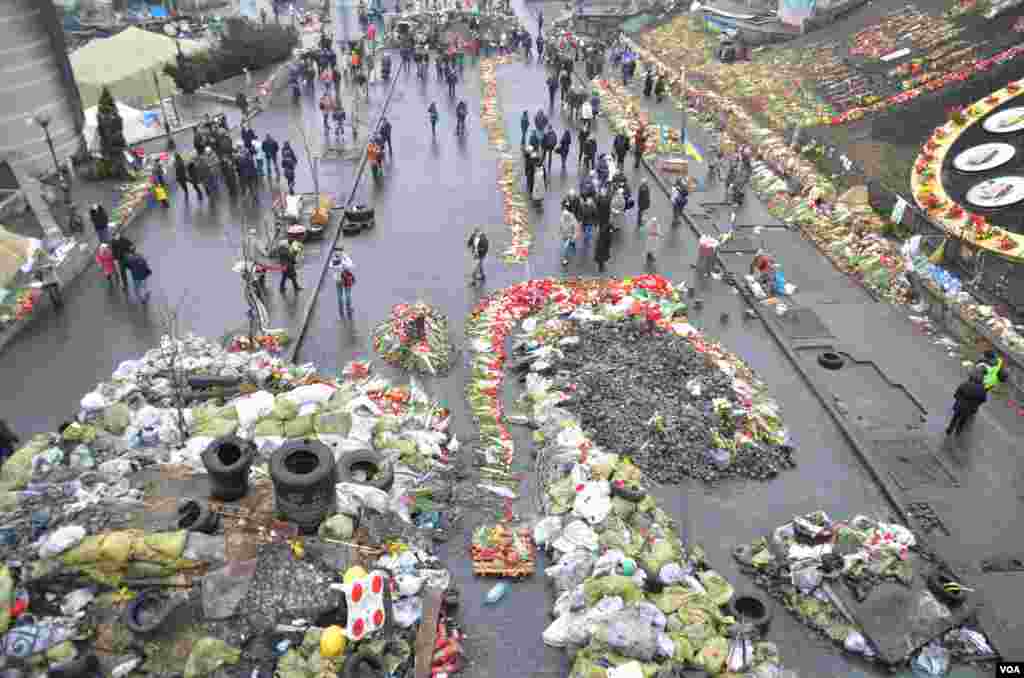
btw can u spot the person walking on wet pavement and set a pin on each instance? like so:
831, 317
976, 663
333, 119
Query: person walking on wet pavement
651, 238
969, 398
432, 114
618, 205
288, 162
385, 135
643, 202
548, 144
639, 145
100, 221
478, 247
344, 279
586, 113
589, 153
588, 215
105, 259
565, 83
289, 269
524, 126
452, 78
648, 83
603, 250
569, 228
270, 148
181, 173
195, 178
540, 121
461, 111
659, 88
326, 105
552, 90
563, 147
140, 270
121, 247
621, 147
581, 138
243, 103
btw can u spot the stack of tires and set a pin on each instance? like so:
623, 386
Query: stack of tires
358, 218
303, 475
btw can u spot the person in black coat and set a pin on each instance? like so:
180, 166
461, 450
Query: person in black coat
181, 173
969, 396
589, 153
643, 201
548, 144
659, 88
604, 208
524, 125
621, 147
563, 146
100, 221
121, 247
478, 247
648, 83
385, 135
603, 251
540, 121
552, 89
270, 148
581, 139
195, 177
529, 165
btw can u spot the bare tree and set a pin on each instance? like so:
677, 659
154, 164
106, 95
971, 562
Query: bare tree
170, 348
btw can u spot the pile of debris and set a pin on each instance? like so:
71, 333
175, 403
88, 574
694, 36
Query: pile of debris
633, 600
199, 512
869, 586
674, 411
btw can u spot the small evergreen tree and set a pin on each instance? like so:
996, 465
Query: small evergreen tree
111, 130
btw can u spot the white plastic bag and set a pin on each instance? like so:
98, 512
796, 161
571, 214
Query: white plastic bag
370, 497
60, 540
253, 407
93, 402
547, 530
577, 535
310, 393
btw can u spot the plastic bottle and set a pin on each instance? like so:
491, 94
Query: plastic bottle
498, 592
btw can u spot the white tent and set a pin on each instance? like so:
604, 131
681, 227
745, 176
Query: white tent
135, 128
126, 64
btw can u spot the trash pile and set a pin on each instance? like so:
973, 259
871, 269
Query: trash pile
670, 407
503, 551
414, 338
516, 213
632, 599
118, 555
823, 570
272, 342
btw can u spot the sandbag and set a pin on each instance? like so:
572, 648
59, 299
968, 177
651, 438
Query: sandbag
269, 428
117, 418
333, 423
299, 427
208, 655
285, 409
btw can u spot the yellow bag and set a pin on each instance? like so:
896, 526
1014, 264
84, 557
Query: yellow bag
160, 192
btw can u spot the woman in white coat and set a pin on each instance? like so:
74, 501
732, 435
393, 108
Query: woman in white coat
587, 114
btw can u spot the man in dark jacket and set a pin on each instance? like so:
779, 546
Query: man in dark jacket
100, 221
529, 167
639, 144
970, 396
621, 147
581, 138
552, 89
288, 270
648, 83
565, 81
141, 271
563, 146
270, 149
589, 153
243, 103
548, 145
121, 247
181, 173
249, 138
385, 135
478, 247
643, 201
540, 121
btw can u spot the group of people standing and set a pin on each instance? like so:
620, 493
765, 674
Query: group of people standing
118, 258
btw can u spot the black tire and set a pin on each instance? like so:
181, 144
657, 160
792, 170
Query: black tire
360, 214
149, 600
751, 609
83, 666
196, 516
382, 478
303, 475
360, 664
629, 494
227, 460
831, 360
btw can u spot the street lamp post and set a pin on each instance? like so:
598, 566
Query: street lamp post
163, 112
42, 118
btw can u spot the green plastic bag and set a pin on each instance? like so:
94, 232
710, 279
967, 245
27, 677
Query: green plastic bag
117, 418
333, 423
79, 433
293, 665
17, 470
612, 585
621, 507
208, 655
299, 427
719, 590
661, 553
671, 598
227, 412
284, 409
387, 423
684, 648
269, 427
216, 428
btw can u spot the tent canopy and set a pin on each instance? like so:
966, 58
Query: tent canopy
126, 63
14, 251
138, 125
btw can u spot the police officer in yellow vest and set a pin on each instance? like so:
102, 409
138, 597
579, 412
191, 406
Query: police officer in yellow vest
995, 371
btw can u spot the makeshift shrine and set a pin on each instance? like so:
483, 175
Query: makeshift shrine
867, 585
415, 338
503, 551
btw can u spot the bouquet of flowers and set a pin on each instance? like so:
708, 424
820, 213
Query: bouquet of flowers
414, 337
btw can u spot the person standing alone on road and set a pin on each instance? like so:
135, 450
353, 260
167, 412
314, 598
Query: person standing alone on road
341, 266
432, 113
969, 396
524, 125
385, 136
478, 246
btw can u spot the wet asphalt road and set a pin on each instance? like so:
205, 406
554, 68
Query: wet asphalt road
434, 192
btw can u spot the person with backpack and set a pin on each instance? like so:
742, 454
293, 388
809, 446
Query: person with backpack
461, 111
140, 270
344, 279
478, 247
969, 398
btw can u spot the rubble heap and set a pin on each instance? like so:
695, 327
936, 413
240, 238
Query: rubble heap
117, 560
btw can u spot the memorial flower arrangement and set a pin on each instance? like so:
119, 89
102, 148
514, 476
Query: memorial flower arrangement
414, 337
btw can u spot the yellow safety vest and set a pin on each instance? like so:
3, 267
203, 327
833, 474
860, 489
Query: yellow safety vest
992, 375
